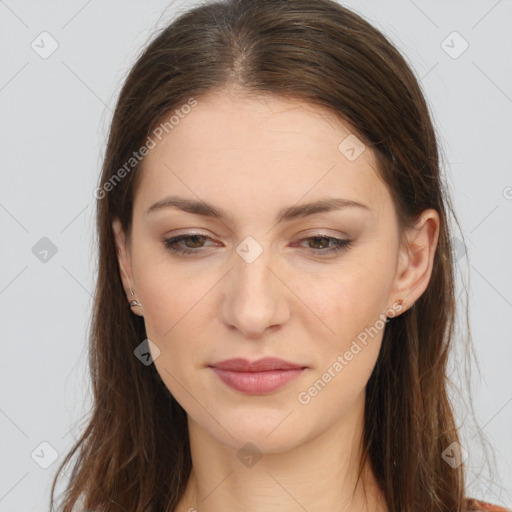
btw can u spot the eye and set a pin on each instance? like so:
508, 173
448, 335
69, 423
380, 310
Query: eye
338, 244
195, 241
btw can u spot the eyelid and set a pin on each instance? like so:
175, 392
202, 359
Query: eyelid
299, 236
339, 244
320, 232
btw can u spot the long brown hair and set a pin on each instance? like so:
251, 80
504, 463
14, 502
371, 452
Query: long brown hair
134, 453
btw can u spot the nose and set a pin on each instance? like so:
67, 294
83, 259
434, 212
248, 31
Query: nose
256, 297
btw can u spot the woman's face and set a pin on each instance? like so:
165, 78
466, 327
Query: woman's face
263, 279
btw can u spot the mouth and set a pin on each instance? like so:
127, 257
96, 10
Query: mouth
258, 377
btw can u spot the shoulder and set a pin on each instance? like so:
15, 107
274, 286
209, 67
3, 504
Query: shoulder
483, 505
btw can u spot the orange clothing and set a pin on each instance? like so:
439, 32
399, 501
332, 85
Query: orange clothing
482, 505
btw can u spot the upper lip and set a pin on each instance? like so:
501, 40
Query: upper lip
261, 365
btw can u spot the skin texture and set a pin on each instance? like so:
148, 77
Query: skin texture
252, 157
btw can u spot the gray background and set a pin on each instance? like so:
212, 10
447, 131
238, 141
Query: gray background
53, 124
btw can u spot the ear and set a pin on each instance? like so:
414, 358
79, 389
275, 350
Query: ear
416, 258
123, 259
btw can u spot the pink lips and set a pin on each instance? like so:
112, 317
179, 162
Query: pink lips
258, 377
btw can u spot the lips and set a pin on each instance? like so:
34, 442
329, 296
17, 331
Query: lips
258, 377
261, 365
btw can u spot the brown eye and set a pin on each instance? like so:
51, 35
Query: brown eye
318, 244
193, 242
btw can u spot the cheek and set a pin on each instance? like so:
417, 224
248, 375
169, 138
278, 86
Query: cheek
348, 299
351, 306
171, 310
177, 311
169, 300
352, 303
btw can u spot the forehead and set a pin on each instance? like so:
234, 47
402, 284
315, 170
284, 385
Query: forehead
256, 151
229, 121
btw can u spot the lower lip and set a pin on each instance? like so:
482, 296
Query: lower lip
257, 382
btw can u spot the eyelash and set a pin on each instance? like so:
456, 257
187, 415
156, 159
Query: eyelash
339, 244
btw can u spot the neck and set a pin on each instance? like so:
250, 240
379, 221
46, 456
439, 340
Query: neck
318, 474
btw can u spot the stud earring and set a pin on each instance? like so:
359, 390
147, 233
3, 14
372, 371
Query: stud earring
134, 302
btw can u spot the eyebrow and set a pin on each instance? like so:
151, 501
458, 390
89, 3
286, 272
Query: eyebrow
285, 214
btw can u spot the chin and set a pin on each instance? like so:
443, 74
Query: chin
269, 434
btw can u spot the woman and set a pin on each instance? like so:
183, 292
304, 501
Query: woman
275, 301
